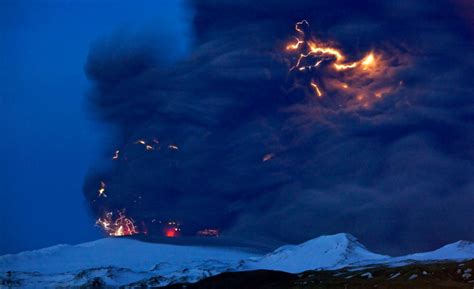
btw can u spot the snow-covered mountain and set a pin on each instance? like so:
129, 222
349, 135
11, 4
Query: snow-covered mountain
119, 261
460, 250
325, 252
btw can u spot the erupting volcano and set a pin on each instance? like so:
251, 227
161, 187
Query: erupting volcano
313, 116
318, 68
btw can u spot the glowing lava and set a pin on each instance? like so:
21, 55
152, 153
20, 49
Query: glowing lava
120, 226
172, 230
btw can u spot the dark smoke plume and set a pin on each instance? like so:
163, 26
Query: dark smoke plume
237, 144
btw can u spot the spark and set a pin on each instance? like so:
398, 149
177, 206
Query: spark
148, 147
101, 190
173, 147
267, 157
208, 233
116, 155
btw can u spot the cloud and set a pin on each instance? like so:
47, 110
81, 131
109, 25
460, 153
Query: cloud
397, 174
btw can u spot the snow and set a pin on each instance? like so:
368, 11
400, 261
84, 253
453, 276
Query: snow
117, 261
120, 261
413, 277
117, 252
325, 252
460, 250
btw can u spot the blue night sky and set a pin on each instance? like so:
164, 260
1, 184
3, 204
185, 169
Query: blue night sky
49, 140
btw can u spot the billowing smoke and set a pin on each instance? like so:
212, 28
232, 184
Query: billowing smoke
231, 139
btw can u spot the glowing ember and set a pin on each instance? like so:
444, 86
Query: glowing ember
101, 190
120, 226
149, 147
208, 233
364, 80
267, 157
116, 155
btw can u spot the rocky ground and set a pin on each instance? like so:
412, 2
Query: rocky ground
433, 276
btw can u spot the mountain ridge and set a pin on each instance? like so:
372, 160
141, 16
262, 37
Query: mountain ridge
122, 261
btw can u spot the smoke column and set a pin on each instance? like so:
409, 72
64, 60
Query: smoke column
230, 139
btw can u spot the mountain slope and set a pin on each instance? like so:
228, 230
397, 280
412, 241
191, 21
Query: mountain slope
334, 251
116, 252
460, 250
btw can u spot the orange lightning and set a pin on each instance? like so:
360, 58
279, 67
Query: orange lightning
296, 45
316, 89
121, 226
370, 76
298, 24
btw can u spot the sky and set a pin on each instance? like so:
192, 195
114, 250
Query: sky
50, 140
220, 123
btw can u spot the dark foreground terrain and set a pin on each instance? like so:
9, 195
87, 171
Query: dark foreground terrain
433, 276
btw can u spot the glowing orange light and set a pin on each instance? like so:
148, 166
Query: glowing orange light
172, 230
171, 233
299, 24
316, 89
121, 226
296, 45
369, 76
